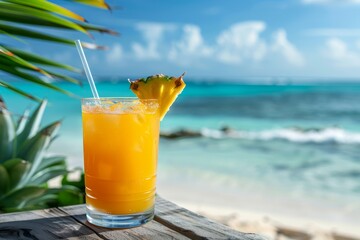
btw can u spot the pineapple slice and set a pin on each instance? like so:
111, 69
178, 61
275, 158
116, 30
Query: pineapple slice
161, 87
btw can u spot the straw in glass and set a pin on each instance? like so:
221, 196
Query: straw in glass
87, 69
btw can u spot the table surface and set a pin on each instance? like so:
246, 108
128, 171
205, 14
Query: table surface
170, 222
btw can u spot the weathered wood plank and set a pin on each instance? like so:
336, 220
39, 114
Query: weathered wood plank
171, 222
42, 224
193, 225
151, 230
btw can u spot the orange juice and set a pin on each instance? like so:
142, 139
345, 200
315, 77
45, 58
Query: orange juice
120, 156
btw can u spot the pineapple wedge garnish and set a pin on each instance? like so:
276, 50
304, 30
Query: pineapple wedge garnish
161, 87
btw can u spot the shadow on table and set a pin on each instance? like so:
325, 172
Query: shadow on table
49, 228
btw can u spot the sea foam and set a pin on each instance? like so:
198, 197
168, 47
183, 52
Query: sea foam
331, 134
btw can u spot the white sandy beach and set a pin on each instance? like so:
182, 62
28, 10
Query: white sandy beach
269, 215
274, 226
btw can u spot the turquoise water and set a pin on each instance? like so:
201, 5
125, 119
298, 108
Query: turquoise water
303, 139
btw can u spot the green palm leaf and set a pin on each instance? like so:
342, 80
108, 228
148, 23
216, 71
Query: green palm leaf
39, 14
48, 6
100, 29
64, 77
6, 54
33, 34
33, 79
17, 10
39, 22
37, 35
12, 36
9, 62
18, 91
96, 3
41, 60
9, 66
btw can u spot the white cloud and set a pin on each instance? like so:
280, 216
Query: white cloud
152, 33
241, 41
190, 46
330, 1
338, 51
115, 53
286, 48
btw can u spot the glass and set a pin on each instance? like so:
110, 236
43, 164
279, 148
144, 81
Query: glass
120, 137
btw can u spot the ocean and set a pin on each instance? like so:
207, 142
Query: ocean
300, 140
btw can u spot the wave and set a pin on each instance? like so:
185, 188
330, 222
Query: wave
332, 134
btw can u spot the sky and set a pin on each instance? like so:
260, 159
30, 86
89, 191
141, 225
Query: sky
213, 39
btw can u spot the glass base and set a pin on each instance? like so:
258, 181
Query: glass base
118, 221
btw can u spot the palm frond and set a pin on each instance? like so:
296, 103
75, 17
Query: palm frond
95, 3
17, 60
21, 31
16, 15
33, 79
33, 13
33, 58
48, 6
18, 91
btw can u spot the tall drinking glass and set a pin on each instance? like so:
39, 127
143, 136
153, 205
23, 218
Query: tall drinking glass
120, 137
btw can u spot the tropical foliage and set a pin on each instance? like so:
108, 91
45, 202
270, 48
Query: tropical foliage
21, 19
25, 167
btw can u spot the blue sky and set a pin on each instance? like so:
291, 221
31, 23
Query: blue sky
230, 39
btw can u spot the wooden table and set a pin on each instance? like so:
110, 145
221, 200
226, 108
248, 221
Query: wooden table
170, 222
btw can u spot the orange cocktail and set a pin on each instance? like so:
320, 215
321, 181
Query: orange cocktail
121, 138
